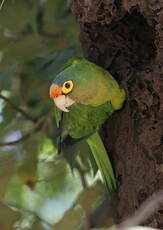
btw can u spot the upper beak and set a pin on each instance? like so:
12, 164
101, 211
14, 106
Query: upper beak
55, 91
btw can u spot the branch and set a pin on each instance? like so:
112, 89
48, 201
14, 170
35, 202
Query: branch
2, 3
35, 129
23, 138
24, 113
147, 209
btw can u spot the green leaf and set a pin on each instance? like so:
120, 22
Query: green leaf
21, 51
49, 69
55, 10
7, 217
14, 16
54, 183
73, 220
6, 76
7, 169
86, 206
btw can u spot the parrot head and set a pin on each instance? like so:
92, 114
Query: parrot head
60, 94
83, 82
75, 84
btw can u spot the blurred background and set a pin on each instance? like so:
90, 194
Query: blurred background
38, 188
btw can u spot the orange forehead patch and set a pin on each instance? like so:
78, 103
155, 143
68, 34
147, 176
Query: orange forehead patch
55, 91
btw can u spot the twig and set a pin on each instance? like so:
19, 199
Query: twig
24, 113
2, 4
20, 209
35, 129
82, 176
148, 208
23, 138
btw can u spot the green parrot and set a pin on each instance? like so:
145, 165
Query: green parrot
85, 95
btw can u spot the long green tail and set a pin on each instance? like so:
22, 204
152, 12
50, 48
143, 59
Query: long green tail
102, 160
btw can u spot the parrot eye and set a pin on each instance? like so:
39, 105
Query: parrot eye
67, 87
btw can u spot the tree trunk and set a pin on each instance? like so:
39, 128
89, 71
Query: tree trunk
126, 38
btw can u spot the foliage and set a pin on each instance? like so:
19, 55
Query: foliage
37, 37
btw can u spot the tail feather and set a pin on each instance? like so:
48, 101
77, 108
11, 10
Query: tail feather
102, 160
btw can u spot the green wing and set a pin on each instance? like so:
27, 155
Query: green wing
83, 122
102, 160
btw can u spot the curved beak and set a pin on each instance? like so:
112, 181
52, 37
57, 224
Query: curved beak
61, 101
55, 91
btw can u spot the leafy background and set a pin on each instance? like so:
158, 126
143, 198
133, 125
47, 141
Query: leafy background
38, 188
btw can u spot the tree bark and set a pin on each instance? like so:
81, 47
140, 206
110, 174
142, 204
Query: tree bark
126, 38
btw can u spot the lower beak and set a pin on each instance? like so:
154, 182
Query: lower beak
55, 91
62, 102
